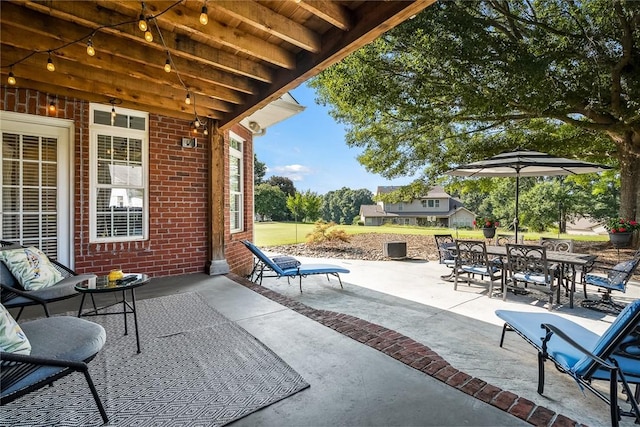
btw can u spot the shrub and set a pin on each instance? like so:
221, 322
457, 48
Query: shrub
325, 232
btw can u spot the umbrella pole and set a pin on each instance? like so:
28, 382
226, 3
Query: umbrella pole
515, 221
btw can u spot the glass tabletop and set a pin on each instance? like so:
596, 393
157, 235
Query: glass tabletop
103, 284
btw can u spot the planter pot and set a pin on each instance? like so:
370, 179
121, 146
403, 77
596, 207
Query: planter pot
489, 233
620, 240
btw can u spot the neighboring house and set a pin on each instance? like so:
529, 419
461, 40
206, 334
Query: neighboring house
436, 209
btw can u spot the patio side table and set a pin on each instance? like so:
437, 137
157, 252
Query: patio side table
102, 285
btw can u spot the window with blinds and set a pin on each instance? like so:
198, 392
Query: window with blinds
236, 190
119, 183
29, 190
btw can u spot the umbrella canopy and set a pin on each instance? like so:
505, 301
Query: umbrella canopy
525, 163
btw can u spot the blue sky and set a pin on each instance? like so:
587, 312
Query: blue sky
309, 148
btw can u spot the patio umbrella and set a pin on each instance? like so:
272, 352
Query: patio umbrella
525, 163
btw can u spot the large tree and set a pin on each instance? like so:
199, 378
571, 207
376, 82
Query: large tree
465, 80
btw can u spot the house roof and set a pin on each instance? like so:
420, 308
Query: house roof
249, 54
434, 192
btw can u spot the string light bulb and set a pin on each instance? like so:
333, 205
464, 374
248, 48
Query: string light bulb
196, 123
187, 100
11, 79
148, 36
206, 131
52, 107
204, 17
90, 50
50, 66
142, 23
167, 64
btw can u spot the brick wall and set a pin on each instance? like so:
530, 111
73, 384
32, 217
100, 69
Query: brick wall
178, 195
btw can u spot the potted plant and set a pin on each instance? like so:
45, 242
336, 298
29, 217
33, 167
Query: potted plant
621, 230
488, 226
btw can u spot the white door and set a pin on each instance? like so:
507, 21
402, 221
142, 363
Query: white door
36, 182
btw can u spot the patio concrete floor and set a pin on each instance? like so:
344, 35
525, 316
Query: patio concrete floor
355, 384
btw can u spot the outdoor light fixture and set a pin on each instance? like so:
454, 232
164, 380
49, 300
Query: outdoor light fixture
50, 66
142, 23
90, 50
204, 17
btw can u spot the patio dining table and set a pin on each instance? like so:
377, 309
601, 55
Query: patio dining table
575, 261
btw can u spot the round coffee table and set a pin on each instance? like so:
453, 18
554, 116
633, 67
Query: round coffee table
102, 285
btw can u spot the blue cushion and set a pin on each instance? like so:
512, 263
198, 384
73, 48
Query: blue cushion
307, 269
60, 337
285, 262
537, 279
606, 340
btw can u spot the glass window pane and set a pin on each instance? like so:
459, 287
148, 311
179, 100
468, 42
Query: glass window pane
30, 199
10, 146
137, 123
10, 172
31, 173
49, 199
10, 226
30, 147
49, 149
49, 175
102, 117
10, 200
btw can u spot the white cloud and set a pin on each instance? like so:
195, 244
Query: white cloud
293, 172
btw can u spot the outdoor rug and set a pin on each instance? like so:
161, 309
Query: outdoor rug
197, 368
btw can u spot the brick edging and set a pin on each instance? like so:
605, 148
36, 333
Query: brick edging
417, 356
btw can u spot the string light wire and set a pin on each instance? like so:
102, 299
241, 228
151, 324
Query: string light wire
89, 42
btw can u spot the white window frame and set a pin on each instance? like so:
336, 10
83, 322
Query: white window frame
434, 203
238, 154
96, 129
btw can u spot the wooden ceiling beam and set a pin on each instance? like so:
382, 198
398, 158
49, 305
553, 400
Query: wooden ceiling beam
332, 12
266, 20
89, 14
114, 48
61, 92
180, 19
152, 71
113, 85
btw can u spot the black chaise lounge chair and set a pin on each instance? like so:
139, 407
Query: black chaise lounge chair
585, 355
267, 267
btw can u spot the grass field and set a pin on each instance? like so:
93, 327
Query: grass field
286, 233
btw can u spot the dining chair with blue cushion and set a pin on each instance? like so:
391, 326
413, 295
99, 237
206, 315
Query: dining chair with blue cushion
586, 356
608, 280
472, 259
528, 268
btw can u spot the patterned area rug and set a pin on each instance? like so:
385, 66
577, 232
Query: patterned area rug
197, 368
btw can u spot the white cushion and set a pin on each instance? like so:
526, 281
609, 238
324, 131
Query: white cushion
12, 338
31, 268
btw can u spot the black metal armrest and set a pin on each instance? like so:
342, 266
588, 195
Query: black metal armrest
10, 292
551, 329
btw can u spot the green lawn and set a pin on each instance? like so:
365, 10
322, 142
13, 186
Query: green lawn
285, 233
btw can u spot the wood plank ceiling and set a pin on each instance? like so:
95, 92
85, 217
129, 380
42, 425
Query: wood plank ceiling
248, 54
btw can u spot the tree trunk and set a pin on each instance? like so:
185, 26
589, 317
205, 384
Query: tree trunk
630, 178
